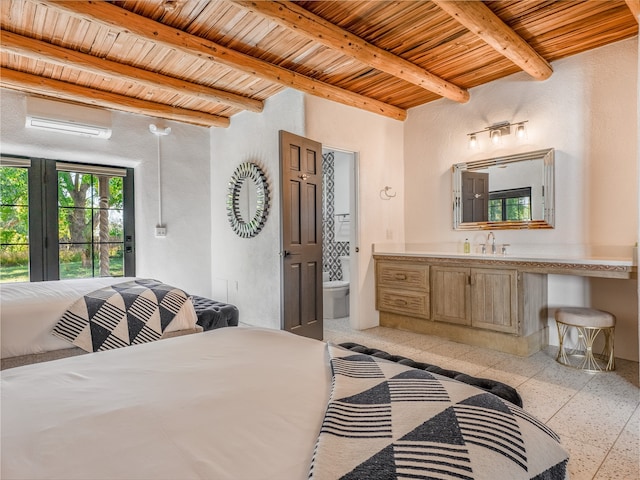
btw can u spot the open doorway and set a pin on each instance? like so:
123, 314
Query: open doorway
340, 236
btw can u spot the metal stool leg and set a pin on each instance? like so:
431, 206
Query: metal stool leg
608, 348
583, 356
562, 354
588, 337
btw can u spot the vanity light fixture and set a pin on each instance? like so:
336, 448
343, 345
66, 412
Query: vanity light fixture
497, 131
521, 131
496, 136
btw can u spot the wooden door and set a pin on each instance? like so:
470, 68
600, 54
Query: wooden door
301, 183
450, 295
475, 197
494, 301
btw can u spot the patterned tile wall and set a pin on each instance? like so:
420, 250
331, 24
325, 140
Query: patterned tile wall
331, 250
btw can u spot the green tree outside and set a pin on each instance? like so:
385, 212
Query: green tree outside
90, 225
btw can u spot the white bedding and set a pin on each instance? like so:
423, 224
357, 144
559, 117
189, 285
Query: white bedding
29, 311
251, 404
233, 403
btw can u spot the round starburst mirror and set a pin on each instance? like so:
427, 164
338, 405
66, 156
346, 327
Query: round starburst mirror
248, 200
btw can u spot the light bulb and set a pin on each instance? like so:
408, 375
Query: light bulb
521, 132
495, 136
473, 141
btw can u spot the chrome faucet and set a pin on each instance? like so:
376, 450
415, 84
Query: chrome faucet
493, 243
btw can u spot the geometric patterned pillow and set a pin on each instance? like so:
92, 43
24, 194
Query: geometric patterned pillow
120, 315
389, 421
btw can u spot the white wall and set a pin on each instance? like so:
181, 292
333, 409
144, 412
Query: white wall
183, 257
378, 142
246, 271
587, 111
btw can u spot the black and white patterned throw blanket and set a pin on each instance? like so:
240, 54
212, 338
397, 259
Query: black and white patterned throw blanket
389, 421
120, 315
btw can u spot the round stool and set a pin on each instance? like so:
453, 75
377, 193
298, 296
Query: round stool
588, 323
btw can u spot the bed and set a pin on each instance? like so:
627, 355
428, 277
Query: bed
29, 311
249, 403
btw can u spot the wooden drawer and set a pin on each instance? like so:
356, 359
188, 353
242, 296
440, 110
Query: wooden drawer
403, 276
414, 304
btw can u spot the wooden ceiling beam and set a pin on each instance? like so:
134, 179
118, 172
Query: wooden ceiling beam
47, 52
26, 82
129, 22
634, 6
315, 28
480, 20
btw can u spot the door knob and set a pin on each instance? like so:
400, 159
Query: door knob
304, 176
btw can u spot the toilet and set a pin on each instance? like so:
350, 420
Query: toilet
335, 293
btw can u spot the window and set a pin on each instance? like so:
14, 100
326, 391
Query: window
63, 220
514, 204
14, 219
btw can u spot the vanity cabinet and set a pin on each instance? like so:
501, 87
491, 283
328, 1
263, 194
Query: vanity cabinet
494, 300
451, 295
465, 300
403, 288
479, 297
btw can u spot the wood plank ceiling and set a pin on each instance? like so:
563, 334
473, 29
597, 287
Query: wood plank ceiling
203, 61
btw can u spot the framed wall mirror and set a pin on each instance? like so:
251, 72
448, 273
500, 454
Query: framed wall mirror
248, 200
509, 192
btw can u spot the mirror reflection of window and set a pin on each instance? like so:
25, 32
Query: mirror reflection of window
510, 205
516, 176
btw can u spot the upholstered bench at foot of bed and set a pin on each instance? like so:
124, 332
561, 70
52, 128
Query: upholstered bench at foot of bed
499, 389
212, 314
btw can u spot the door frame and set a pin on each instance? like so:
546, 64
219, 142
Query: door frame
354, 235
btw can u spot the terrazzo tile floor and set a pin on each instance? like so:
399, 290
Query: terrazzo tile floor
596, 415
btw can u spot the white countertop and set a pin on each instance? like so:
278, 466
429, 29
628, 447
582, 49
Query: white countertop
565, 254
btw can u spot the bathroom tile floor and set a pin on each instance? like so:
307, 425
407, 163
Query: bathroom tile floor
596, 415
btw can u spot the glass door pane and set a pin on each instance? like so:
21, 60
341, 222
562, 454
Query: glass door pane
14, 224
91, 226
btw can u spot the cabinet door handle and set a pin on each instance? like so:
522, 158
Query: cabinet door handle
400, 276
400, 302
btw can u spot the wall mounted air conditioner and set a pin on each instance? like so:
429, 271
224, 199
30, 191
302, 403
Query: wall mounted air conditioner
67, 118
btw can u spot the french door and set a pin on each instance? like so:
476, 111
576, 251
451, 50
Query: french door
62, 220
